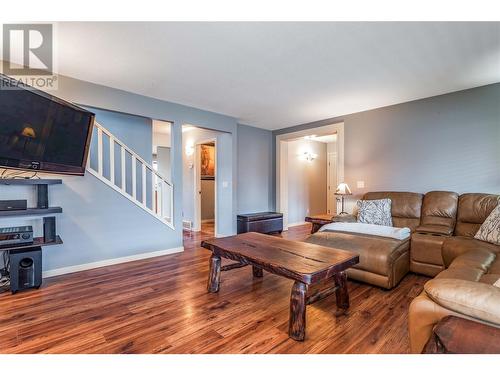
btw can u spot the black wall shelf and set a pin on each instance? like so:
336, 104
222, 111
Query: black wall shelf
32, 212
29, 181
37, 242
41, 187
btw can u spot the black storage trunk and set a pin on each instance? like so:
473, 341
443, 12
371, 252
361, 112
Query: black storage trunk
262, 222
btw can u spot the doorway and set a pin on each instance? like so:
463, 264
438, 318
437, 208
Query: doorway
206, 186
219, 174
307, 162
332, 180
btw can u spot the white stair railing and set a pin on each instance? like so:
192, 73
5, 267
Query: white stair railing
125, 171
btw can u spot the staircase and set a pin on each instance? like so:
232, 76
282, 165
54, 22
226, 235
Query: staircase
115, 164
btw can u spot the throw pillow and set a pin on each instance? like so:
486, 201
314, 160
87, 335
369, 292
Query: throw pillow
377, 211
490, 229
497, 283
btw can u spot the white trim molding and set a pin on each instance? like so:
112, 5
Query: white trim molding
297, 224
110, 262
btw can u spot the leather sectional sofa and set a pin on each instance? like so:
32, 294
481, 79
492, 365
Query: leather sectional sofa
382, 261
442, 246
465, 287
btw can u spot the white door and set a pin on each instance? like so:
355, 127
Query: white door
331, 180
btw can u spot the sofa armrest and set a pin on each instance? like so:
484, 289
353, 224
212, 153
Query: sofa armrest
443, 230
477, 300
455, 246
344, 219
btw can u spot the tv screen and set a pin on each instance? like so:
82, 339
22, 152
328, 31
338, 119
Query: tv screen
39, 132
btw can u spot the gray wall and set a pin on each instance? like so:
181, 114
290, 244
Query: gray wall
447, 142
134, 131
98, 223
164, 162
255, 173
306, 180
207, 200
99, 96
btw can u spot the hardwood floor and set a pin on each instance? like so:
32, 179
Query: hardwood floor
160, 305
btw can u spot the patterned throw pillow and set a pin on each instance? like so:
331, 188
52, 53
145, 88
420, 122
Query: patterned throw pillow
497, 283
490, 229
377, 211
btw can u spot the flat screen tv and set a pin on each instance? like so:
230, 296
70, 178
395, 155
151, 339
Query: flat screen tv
39, 132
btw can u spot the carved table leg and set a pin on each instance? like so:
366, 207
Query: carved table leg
257, 272
214, 274
341, 292
297, 322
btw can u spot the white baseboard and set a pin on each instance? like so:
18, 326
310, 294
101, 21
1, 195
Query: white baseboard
296, 224
110, 262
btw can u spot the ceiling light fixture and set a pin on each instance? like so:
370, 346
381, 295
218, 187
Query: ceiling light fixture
309, 156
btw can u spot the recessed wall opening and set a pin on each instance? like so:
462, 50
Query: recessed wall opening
203, 186
162, 163
309, 168
205, 176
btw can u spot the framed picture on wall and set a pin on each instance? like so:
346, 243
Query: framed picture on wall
207, 162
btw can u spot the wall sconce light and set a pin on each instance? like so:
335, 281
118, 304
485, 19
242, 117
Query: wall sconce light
189, 149
309, 156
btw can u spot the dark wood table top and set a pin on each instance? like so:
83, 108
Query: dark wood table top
321, 218
304, 262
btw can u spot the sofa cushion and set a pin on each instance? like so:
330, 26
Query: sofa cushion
457, 245
439, 208
490, 229
377, 211
480, 301
405, 207
376, 254
473, 209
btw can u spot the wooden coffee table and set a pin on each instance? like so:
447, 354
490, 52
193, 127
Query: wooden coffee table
307, 264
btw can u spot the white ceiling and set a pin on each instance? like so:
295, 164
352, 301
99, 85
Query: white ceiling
275, 75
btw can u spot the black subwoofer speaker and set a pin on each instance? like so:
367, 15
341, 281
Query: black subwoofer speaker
25, 269
49, 229
42, 196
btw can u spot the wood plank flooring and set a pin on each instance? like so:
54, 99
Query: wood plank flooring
160, 305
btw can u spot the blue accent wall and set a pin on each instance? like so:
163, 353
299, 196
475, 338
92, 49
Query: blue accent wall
135, 131
100, 224
255, 172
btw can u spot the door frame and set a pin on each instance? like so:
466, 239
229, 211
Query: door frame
282, 161
197, 184
331, 203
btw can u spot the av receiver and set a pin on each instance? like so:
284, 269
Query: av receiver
13, 204
16, 236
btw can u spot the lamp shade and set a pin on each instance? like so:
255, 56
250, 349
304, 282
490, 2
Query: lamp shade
28, 132
343, 189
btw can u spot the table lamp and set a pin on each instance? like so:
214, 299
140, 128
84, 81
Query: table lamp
343, 189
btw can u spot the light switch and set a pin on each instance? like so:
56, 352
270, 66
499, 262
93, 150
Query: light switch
225, 184
360, 184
